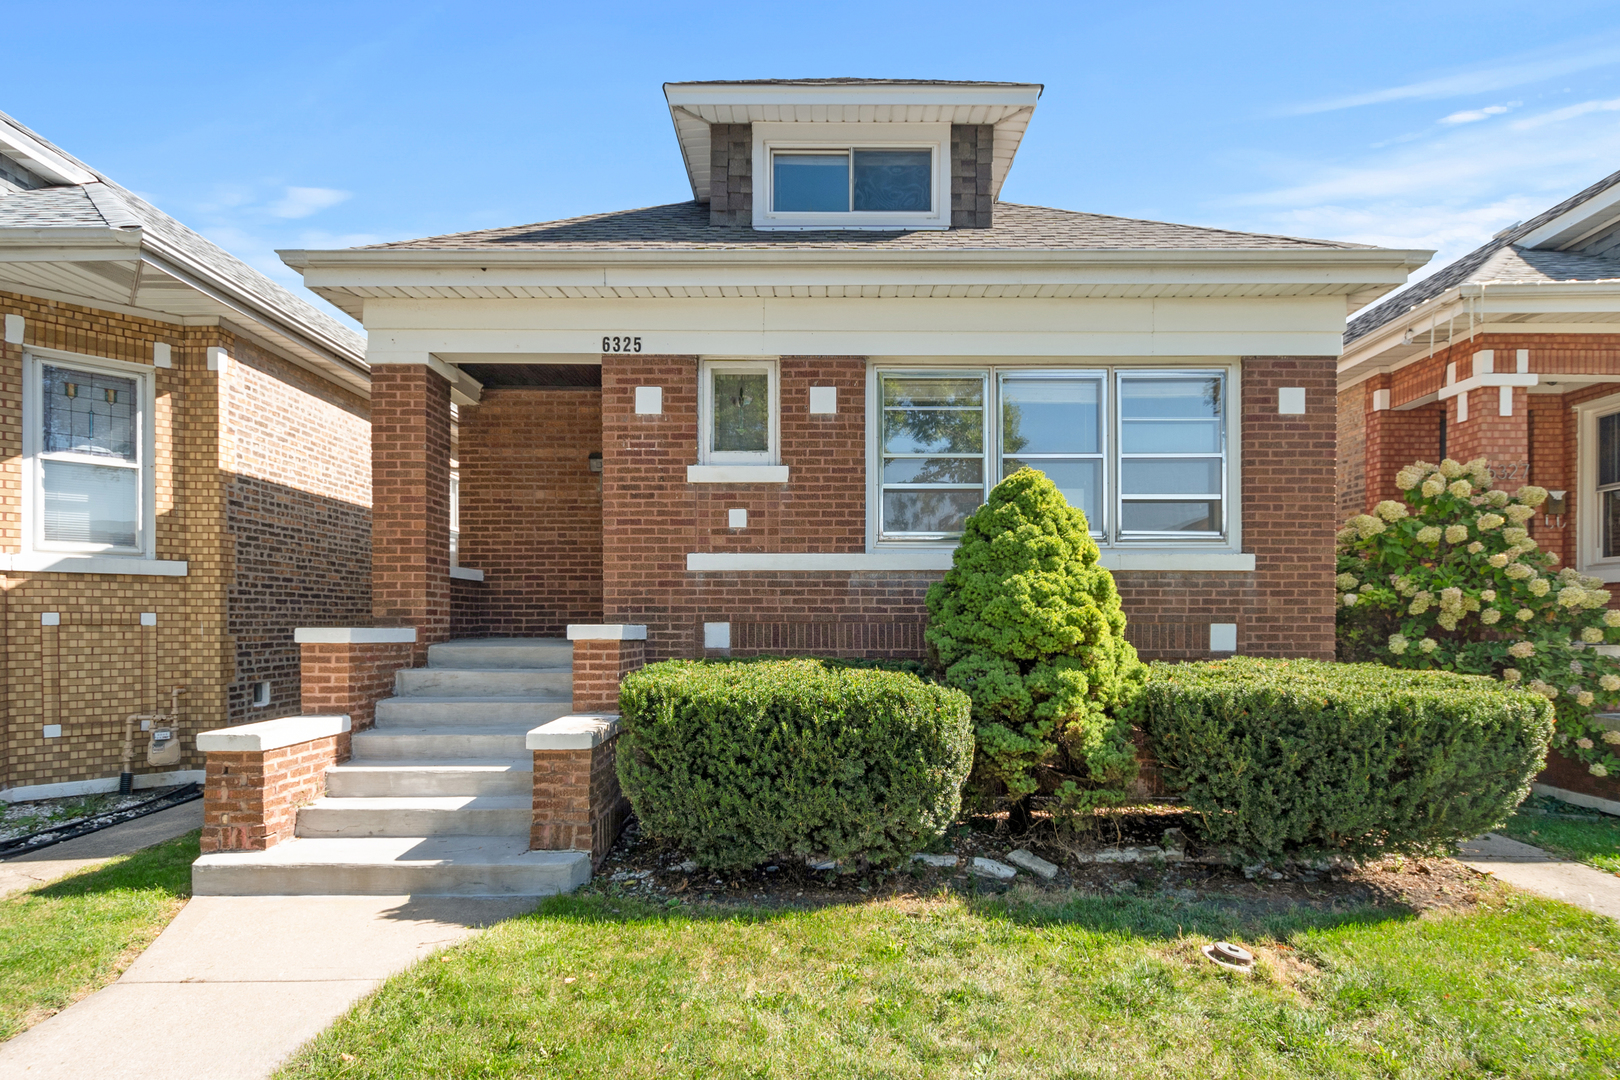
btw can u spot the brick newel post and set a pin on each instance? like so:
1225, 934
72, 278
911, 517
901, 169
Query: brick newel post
348, 670
603, 655
258, 775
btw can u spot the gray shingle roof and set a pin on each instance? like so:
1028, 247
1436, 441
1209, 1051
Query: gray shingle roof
1498, 260
108, 205
685, 227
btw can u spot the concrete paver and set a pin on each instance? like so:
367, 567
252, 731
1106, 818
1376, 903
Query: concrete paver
1534, 870
48, 864
236, 984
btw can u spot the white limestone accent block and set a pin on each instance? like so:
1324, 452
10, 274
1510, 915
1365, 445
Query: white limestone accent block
1032, 862
606, 632
272, 734
717, 635
1291, 400
1223, 637
990, 868
649, 400
354, 635
576, 731
823, 400
944, 862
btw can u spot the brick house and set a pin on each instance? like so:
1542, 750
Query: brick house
184, 477
754, 421
1510, 353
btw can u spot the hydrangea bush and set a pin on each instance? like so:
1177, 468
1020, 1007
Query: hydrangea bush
1452, 580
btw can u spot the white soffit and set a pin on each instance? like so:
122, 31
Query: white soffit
694, 106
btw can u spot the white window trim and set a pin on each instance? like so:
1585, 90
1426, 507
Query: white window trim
1588, 515
772, 137
42, 551
772, 455
1232, 502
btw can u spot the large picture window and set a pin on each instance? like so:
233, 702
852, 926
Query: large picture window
88, 468
1143, 453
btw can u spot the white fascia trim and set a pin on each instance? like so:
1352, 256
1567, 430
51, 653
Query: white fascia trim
1573, 222
577, 731
354, 635
41, 159
271, 734
48, 563
606, 632
736, 474
940, 559
466, 573
69, 788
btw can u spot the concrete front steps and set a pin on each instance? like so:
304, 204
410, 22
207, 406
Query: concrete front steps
437, 797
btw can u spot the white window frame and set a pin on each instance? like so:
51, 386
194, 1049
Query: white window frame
1588, 506
33, 418
772, 455
772, 138
1115, 456
455, 516
1107, 533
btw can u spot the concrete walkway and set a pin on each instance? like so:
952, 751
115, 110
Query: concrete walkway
236, 984
1534, 870
48, 864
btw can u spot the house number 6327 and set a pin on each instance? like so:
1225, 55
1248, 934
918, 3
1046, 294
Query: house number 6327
620, 344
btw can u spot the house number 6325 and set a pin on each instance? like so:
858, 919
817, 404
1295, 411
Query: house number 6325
620, 344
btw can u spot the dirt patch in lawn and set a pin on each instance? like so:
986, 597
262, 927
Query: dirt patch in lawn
646, 868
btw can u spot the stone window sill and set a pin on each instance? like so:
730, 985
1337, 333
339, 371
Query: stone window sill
940, 559
736, 474
54, 563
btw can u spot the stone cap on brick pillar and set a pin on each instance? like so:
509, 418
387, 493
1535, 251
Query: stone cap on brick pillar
271, 734
606, 632
354, 635
579, 731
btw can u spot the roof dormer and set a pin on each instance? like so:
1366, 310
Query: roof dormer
850, 153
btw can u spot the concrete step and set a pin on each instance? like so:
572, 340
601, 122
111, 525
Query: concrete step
445, 682
534, 654
439, 743
385, 866
372, 778
437, 815
417, 711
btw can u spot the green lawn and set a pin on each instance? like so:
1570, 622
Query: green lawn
1567, 830
59, 942
1015, 987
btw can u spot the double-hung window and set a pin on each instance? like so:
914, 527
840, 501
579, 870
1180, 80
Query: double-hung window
1142, 452
1608, 485
89, 483
737, 412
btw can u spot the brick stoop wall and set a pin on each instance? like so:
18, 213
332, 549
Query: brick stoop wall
598, 668
350, 677
577, 802
251, 797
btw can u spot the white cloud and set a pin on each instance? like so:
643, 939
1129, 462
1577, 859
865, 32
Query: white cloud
1515, 71
1568, 112
300, 202
1470, 116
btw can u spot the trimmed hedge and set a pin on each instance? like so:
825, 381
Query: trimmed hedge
1292, 756
740, 762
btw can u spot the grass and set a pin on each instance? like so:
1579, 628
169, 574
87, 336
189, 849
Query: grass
1018, 986
1570, 831
61, 941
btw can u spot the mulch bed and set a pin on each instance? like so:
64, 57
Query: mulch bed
649, 869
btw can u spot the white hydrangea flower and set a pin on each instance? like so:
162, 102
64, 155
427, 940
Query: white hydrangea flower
1349, 599
1433, 487
1592, 635
1428, 645
1531, 495
1584, 698
1490, 616
1460, 488
1411, 476
1514, 535
1521, 650
1486, 522
1511, 674
1497, 497
1366, 526
1577, 668
1456, 534
1584, 743
1520, 514
1539, 587
1398, 643
1597, 598
1498, 560
1583, 580
1419, 605
1611, 683
1524, 614
1451, 598
1450, 468
1611, 618
1520, 572
1345, 581
1612, 738
1597, 769
1447, 620
1475, 548
1429, 534
1345, 535
1390, 510
1572, 597
1488, 595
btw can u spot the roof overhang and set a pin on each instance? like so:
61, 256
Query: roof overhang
349, 278
693, 106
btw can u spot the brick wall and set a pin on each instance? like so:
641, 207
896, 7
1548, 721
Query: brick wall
972, 153
731, 174
297, 459
350, 678
578, 805
598, 668
410, 501
531, 510
251, 798
100, 663
653, 518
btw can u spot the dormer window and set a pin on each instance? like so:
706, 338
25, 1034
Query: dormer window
850, 176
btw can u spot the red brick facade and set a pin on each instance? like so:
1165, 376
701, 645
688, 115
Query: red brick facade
349, 679
531, 511
251, 798
598, 668
577, 802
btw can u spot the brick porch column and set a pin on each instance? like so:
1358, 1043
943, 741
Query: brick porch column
602, 656
347, 670
410, 501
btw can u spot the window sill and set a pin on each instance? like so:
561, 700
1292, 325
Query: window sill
940, 559
736, 474
53, 563
465, 573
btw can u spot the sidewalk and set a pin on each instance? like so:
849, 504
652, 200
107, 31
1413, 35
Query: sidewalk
48, 864
237, 983
1533, 870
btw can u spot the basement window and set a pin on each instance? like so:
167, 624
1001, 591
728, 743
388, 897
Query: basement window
261, 694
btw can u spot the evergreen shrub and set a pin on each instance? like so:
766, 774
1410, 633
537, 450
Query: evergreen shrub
1031, 627
737, 763
1289, 756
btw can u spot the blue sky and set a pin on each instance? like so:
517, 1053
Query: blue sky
330, 124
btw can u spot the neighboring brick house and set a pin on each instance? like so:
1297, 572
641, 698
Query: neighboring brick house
755, 421
184, 477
